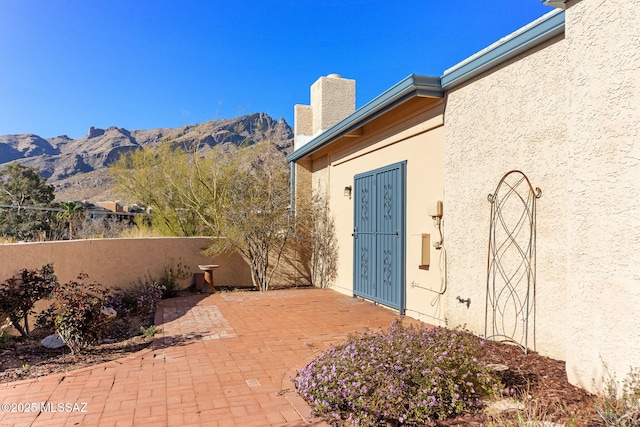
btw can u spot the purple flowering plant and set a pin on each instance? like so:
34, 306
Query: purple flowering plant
405, 375
140, 300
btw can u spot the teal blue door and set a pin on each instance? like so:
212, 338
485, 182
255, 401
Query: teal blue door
379, 235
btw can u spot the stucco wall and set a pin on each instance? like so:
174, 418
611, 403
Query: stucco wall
419, 141
121, 262
603, 93
566, 114
512, 117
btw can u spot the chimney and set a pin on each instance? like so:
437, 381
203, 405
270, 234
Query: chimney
332, 99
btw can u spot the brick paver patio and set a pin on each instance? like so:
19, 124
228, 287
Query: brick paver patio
224, 359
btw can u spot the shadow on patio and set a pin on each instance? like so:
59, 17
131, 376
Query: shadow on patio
224, 359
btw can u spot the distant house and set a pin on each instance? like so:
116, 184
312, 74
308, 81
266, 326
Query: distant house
110, 210
407, 178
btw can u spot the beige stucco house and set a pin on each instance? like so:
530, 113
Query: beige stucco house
407, 176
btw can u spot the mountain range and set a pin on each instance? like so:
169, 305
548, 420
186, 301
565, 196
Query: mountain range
77, 168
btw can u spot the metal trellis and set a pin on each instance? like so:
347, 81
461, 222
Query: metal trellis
511, 263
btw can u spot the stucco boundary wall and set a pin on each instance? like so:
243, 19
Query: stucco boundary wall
123, 262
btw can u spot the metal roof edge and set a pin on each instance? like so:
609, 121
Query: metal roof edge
555, 3
529, 36
413, 85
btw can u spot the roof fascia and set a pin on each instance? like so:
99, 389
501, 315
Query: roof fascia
534, 34
555, 3
412, 86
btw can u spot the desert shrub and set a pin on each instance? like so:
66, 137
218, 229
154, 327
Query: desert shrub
5, 338
150, 331
619, 404
141, 229
405, 375
101, 228
140, 300
77, 312
169, 280
19, 294
315, 236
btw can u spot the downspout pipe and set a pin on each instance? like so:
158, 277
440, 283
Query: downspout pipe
292, 189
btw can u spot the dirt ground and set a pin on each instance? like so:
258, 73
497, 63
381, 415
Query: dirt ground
541, 383
25, 358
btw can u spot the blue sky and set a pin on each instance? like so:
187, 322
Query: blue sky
66, 65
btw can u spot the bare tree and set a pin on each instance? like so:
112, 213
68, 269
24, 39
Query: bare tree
256, 221
102, 227
315, 236
240, 194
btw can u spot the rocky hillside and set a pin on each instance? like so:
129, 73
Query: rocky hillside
77, 167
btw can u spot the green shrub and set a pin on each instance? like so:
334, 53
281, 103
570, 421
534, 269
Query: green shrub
150, 331
19, 294
406, 375
23, 370
5, 338
77, 312
170, 278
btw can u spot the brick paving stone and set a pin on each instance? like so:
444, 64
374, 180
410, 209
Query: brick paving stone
223, 359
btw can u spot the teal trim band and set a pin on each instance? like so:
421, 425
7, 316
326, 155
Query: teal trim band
412, 86
538, 32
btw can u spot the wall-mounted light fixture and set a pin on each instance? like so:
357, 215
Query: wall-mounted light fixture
347, 191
